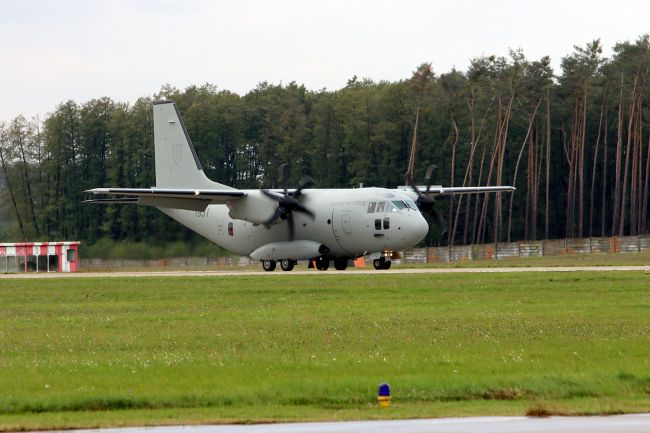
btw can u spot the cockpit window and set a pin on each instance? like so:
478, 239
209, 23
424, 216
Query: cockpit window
390, 207
411, 204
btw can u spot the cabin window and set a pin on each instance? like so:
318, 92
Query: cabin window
371, 206
386, 223
231, 230
380, 206
378, 224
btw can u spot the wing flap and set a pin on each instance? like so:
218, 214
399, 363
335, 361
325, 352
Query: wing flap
124, 200
209, 196
187, 199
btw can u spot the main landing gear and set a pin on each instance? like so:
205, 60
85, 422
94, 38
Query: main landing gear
268, 265
285, 264
323, 263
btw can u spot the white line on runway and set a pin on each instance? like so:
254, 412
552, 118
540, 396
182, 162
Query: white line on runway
398, 271
639, 423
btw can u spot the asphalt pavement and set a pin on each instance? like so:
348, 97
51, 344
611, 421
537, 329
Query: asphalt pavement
639, 423
367, 270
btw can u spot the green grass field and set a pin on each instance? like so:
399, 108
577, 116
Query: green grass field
99, 352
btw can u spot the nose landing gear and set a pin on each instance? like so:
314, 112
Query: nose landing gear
385, 260
381, 263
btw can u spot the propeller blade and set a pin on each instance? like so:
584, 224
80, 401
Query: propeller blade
430, 172
441, 220
305, 182
273, 195
415, 188
286, 203
283, 176
292, 227
301, 208
276, 216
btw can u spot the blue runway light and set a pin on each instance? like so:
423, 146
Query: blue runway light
383, 395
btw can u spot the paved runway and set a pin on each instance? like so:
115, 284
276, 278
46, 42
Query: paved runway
596, 424
368, 270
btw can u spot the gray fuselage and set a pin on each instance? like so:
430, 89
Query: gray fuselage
346, 221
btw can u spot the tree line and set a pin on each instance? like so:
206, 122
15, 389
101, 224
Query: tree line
575, 144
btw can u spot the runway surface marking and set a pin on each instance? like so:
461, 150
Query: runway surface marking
595, 424
397, 271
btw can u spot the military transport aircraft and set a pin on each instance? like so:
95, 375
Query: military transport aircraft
282, 225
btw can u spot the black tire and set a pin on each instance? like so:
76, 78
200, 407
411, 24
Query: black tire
268, 265
322, 263
287, 265
381, 264
340, 263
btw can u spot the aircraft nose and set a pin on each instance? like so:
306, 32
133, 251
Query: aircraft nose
420, 229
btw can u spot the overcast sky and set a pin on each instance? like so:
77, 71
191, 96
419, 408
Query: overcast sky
57, 50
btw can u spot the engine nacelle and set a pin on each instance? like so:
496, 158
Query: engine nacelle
296, 250
255, 208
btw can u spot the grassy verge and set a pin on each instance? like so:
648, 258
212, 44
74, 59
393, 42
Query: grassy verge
98, 352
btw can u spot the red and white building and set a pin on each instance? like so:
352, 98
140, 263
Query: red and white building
39, 257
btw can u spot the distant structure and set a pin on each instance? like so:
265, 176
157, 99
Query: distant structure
39, 257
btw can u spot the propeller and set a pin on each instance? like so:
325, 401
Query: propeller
426, 203
287, 204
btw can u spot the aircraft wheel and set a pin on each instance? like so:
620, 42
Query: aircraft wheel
287, 265
268, 265
381, 264
322, 263
340, 263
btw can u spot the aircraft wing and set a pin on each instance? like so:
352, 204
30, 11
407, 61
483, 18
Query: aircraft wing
466, 189
189, 199
438, 190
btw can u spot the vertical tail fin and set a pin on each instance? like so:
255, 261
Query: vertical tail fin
177, 165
